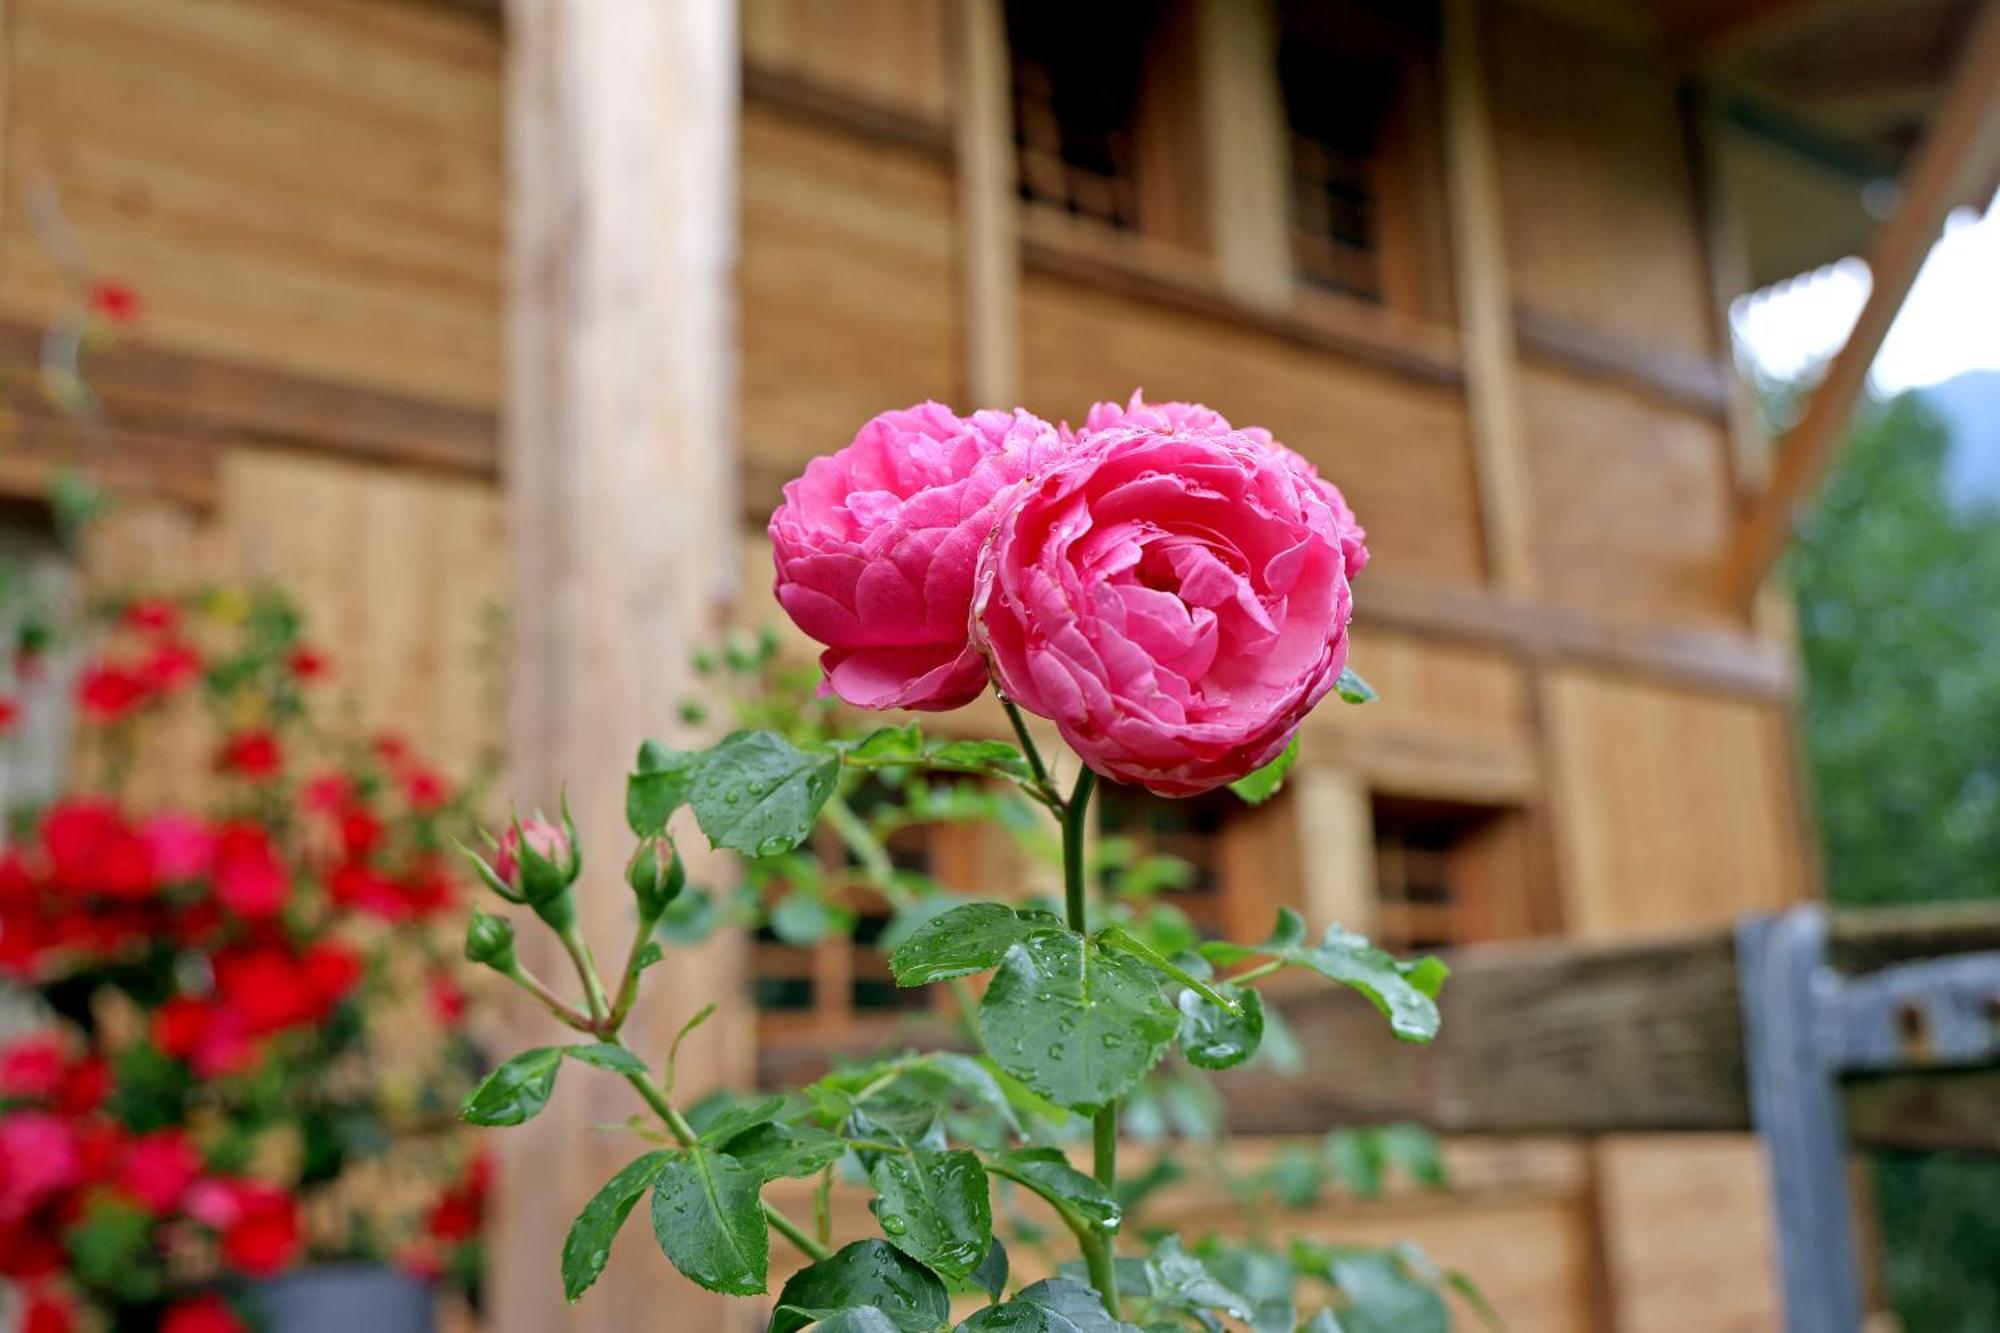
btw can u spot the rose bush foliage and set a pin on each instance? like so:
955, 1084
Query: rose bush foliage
1173, 594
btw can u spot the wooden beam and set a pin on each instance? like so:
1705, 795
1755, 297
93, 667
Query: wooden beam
166, 392
1485, 310
988, 212
1243, 129
621, 480
857, 116
1959, 154
1680, 379
1636, 1038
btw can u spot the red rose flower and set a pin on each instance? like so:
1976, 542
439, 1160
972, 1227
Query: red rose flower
307, 664
263, 1238
169, 666
152, 615
109, 694
10, 713
447, 998
203, 1314
93, 851
33, 1069
181, 847
115, 302
46, 1312
40, 1157
156, 1170
426, 792
249, 878
251, 754
327, 793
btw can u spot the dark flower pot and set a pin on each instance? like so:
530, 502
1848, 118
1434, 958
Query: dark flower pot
340, 1299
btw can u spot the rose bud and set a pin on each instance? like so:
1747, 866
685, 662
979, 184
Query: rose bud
489, 941
656, 876
1173, 596
876, 545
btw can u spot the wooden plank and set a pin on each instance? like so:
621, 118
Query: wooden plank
1695, 383
1486, 327
1632, 1038
171, 392
1960, 154
1244, 131
784, 91
988, 236
893, 56
623, 120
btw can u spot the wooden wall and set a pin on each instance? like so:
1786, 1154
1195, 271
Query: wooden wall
306, 195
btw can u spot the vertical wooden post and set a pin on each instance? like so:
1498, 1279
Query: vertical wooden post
1243, 119
1485, 308
621, 473
1336, 834
988, 214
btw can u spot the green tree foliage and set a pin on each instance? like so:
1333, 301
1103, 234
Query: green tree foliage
1898, 590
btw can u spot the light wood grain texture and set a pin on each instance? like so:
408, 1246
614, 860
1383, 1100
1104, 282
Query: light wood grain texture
621, 487
989, 240
1485, 308
1959, 160
1398, 449
1245, 135
1688, 1234
1335, 829
1632, 501
894, 54
310, 187
1673, 809
850, 291
1597, 207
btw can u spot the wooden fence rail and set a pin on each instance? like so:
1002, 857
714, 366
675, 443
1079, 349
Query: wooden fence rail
1648, 1037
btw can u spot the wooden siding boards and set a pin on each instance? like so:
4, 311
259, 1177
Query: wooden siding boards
849, 286
334, 214
1397, 447
893, 54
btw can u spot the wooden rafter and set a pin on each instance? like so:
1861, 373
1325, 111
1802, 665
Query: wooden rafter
1959, 156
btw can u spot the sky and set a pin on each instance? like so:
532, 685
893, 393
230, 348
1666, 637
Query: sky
1950, 323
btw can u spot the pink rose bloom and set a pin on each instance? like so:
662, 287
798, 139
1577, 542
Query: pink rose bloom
39, 1158
1200, 417
157, 1170
546, 839
1173, 597
876, 547
180, 846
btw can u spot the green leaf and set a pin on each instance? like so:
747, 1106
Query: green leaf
603, 1055
1076, 1024
1405, 991
1383, 1297
857, 1319
738, 1117
801, 920
1323, 1322
991, 1275
935, 1207
690, 918
1080, 1198
700, 1016
1262, 785
1077, 1302
1352, 689
661, 785
1415, 1150
1212, 1037
1117, 937
588, 1244
1017, 1317
757, 793
1180, 1280
709, 1219
517, 1091
866, 1273
978, 757
890, 745
963, 941
774, 1151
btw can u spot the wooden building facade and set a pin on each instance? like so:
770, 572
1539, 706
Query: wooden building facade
640, 261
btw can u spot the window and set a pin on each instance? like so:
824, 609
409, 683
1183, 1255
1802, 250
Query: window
1366, 176
1449, 874
1104, 123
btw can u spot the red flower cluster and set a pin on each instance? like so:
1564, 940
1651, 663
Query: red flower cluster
455, 1219
158, 664
63, 1156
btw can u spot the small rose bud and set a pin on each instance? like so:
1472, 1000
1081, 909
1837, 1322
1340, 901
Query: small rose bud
489, 941
538, 860
656, 876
